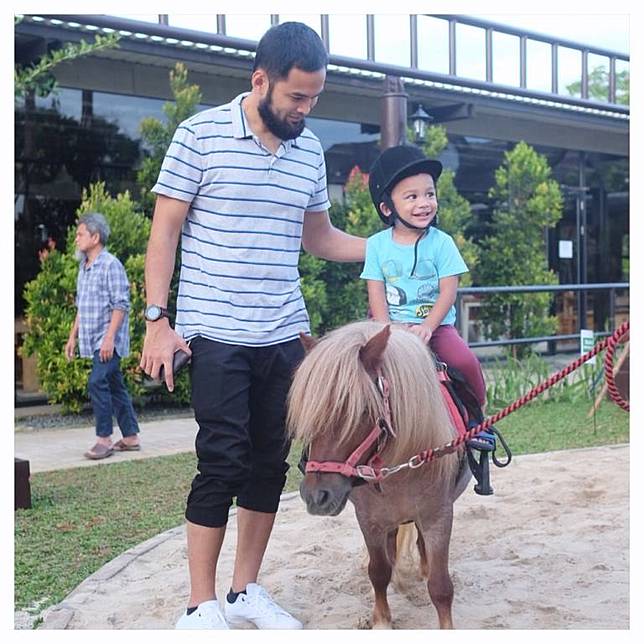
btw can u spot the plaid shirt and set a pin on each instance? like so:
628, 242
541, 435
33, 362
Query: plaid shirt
101, 288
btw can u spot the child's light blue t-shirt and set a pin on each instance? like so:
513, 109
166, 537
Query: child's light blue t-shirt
410, 298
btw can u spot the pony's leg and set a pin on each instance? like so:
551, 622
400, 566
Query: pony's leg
439, 584
380, 574
392, 546
424, 564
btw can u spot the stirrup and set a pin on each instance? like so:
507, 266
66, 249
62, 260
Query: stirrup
483, 441
480, 470
485, 447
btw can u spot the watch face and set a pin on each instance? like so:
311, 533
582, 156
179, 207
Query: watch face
153, 313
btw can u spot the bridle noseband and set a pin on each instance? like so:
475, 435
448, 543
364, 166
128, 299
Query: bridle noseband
373, 469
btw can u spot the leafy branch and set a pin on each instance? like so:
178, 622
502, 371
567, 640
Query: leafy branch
38, 77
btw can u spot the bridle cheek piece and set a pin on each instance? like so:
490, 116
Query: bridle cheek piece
373, 469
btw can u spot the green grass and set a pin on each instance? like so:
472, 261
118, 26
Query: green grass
82, 518
541, 427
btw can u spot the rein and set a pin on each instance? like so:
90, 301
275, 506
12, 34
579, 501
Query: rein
374, 471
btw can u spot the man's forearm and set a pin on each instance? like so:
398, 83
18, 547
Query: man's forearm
338, 246
159, 259
74, 330
159, 265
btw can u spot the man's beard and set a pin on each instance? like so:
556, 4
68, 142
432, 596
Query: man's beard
276, 126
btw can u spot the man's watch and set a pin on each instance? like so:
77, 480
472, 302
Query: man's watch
155, 312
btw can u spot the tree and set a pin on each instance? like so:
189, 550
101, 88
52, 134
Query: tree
454, 211
157, 135
527, 202
598, 85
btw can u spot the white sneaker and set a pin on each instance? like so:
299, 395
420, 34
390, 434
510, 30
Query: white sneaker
256, 606
207, 616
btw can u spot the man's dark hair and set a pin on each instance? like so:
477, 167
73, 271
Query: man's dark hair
291, 44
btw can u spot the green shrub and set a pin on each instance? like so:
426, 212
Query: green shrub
157, 135
528, 201
314, 289
51, 311
347, 293
510, 379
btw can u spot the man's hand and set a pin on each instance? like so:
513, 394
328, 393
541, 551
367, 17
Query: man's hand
422, 331
106, 350
70, 348
159, 346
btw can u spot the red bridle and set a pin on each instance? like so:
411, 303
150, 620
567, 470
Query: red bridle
373, 469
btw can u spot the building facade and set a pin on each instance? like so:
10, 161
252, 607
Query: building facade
489, 85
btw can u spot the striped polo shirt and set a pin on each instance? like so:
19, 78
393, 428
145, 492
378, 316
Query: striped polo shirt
240, 242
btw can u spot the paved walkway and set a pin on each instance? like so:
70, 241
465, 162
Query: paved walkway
58, 449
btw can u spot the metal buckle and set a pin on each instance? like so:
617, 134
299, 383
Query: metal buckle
366, 472
380, 381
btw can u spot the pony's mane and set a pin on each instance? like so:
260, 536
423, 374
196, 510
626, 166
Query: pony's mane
332, 391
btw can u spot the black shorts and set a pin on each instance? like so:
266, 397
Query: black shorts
239, 398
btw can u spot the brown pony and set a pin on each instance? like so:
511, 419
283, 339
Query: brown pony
334, 403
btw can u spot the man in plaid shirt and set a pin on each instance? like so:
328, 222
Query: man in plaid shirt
102, 328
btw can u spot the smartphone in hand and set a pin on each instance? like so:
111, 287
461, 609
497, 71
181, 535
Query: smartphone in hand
179, 361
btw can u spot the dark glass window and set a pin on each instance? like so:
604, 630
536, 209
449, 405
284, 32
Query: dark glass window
62, 144
345, 146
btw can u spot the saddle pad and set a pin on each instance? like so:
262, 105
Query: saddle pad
457, 420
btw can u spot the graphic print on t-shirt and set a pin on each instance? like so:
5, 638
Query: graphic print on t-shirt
395, 296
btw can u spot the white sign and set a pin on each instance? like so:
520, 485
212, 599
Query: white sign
587, 337
565, 249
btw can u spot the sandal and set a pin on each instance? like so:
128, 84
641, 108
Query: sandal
98, 452
121, 446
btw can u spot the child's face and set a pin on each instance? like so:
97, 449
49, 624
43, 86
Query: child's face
415, 200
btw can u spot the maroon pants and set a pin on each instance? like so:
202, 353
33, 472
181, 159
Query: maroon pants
449, 347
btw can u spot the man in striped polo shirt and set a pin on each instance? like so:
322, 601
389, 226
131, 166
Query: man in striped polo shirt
244, 184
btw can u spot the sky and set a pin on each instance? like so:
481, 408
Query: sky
610, 31
601, 30
348, 37
593, 22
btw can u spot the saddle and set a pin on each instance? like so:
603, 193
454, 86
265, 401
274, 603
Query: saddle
466, 413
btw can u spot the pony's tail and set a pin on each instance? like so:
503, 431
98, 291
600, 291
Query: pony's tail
410, 557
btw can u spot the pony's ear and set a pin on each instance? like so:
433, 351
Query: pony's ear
371, 352
308, 342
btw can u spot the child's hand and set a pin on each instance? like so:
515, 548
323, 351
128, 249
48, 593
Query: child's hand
422, 331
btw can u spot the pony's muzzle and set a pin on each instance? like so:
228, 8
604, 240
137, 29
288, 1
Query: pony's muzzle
325, 494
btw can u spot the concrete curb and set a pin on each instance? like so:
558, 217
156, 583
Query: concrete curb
59, 616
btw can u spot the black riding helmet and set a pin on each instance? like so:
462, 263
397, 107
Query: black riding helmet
395, 164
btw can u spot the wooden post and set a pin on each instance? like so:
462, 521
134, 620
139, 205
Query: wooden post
21, 484
393, 118
621, 380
